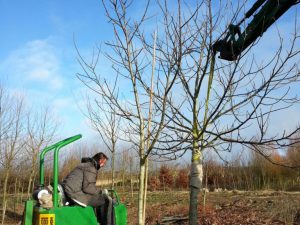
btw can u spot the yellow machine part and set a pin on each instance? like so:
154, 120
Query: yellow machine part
46, 219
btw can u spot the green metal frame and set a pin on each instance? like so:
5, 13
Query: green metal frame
65, 215
120, 209
68, 215
28, 212
56, 147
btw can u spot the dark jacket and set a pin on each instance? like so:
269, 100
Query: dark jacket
80, 184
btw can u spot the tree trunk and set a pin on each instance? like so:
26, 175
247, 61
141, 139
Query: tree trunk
22, 190
16, 193
130, 171
113, 169
145, 188
141, 192
4, 200
19, 193
123, 179
32, 176
33, 182
3, 212
195, 185
29, 185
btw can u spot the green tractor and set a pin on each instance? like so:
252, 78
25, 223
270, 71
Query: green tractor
59, 212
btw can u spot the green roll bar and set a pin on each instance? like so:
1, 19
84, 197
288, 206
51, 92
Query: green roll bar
56, 147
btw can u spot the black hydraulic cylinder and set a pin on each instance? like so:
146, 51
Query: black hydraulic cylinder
230, 47
254, 8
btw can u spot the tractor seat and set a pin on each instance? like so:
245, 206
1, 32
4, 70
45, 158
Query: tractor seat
65, 200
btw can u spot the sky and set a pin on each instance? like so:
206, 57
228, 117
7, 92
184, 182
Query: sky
38, 56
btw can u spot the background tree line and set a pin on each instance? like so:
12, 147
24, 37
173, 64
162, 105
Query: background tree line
238, 173
251, 173
23, 133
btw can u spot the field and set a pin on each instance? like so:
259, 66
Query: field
264, 207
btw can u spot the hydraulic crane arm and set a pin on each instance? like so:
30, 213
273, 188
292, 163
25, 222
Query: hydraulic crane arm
236, 41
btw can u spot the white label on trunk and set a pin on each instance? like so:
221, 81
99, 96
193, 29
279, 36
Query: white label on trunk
196, 175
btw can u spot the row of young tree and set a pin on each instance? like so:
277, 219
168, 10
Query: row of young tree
256, 174
248, 174
253, 173
23, 133
166, 93
239, 173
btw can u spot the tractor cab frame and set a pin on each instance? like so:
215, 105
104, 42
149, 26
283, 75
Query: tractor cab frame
59, 213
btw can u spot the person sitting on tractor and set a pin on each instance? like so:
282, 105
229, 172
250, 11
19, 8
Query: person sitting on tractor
80, 187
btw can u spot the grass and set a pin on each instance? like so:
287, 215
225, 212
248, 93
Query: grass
261, 207
258, 207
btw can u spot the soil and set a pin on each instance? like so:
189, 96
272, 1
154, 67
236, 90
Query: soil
221, 208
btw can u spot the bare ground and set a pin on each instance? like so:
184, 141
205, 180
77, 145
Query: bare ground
263, 207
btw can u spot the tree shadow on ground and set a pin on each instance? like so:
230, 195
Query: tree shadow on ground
297, 218
12, 217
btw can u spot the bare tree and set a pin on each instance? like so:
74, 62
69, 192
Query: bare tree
11, 142
41, 128
216, 105
224, 105
107, 124
132, 62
